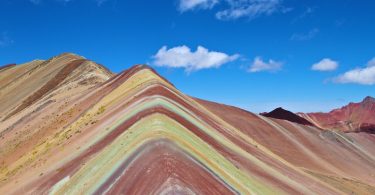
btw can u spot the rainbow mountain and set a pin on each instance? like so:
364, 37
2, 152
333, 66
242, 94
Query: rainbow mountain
70, 126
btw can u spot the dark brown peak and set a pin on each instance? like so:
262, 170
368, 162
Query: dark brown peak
276, 111
280, 113
281, 109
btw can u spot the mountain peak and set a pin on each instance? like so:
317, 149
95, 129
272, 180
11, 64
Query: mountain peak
355, 117
368, 99
70, 54
281, 113
280, 109
139, 67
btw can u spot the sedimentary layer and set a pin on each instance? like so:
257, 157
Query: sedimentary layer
83, 130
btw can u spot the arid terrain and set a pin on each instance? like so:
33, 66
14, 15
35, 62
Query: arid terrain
355, 117
70, 126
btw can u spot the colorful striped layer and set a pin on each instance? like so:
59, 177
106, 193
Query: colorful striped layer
137, 134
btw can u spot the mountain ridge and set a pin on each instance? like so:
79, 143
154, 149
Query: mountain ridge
83, 138
354, 117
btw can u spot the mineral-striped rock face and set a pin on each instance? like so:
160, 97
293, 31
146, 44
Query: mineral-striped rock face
69, 126
355, 117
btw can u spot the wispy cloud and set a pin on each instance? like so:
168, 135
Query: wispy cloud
325, 64
5, 40
305, 36
37, 2
307, 12
100, 2
186, 5
258, 65
183, 57
249, 9
363, 76
235, 9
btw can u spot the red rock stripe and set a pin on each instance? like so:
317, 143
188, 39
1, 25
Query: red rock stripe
73, 166
157, 161
49, 86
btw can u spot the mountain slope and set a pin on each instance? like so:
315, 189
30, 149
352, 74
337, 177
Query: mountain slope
135, 133
3, 68
21, 86
322, 154
38, 99
355, 117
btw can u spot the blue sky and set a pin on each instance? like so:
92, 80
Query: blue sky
309, 55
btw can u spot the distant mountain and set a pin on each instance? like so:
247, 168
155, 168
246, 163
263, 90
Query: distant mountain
280, 113
70, 126
355, 117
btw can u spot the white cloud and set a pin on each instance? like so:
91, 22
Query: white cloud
325, 64
304, 36
186, 5
183, 57
259, 65
249, 8
363, 76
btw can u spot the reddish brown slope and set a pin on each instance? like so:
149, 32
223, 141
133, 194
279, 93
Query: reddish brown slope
355, 117
331, 157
